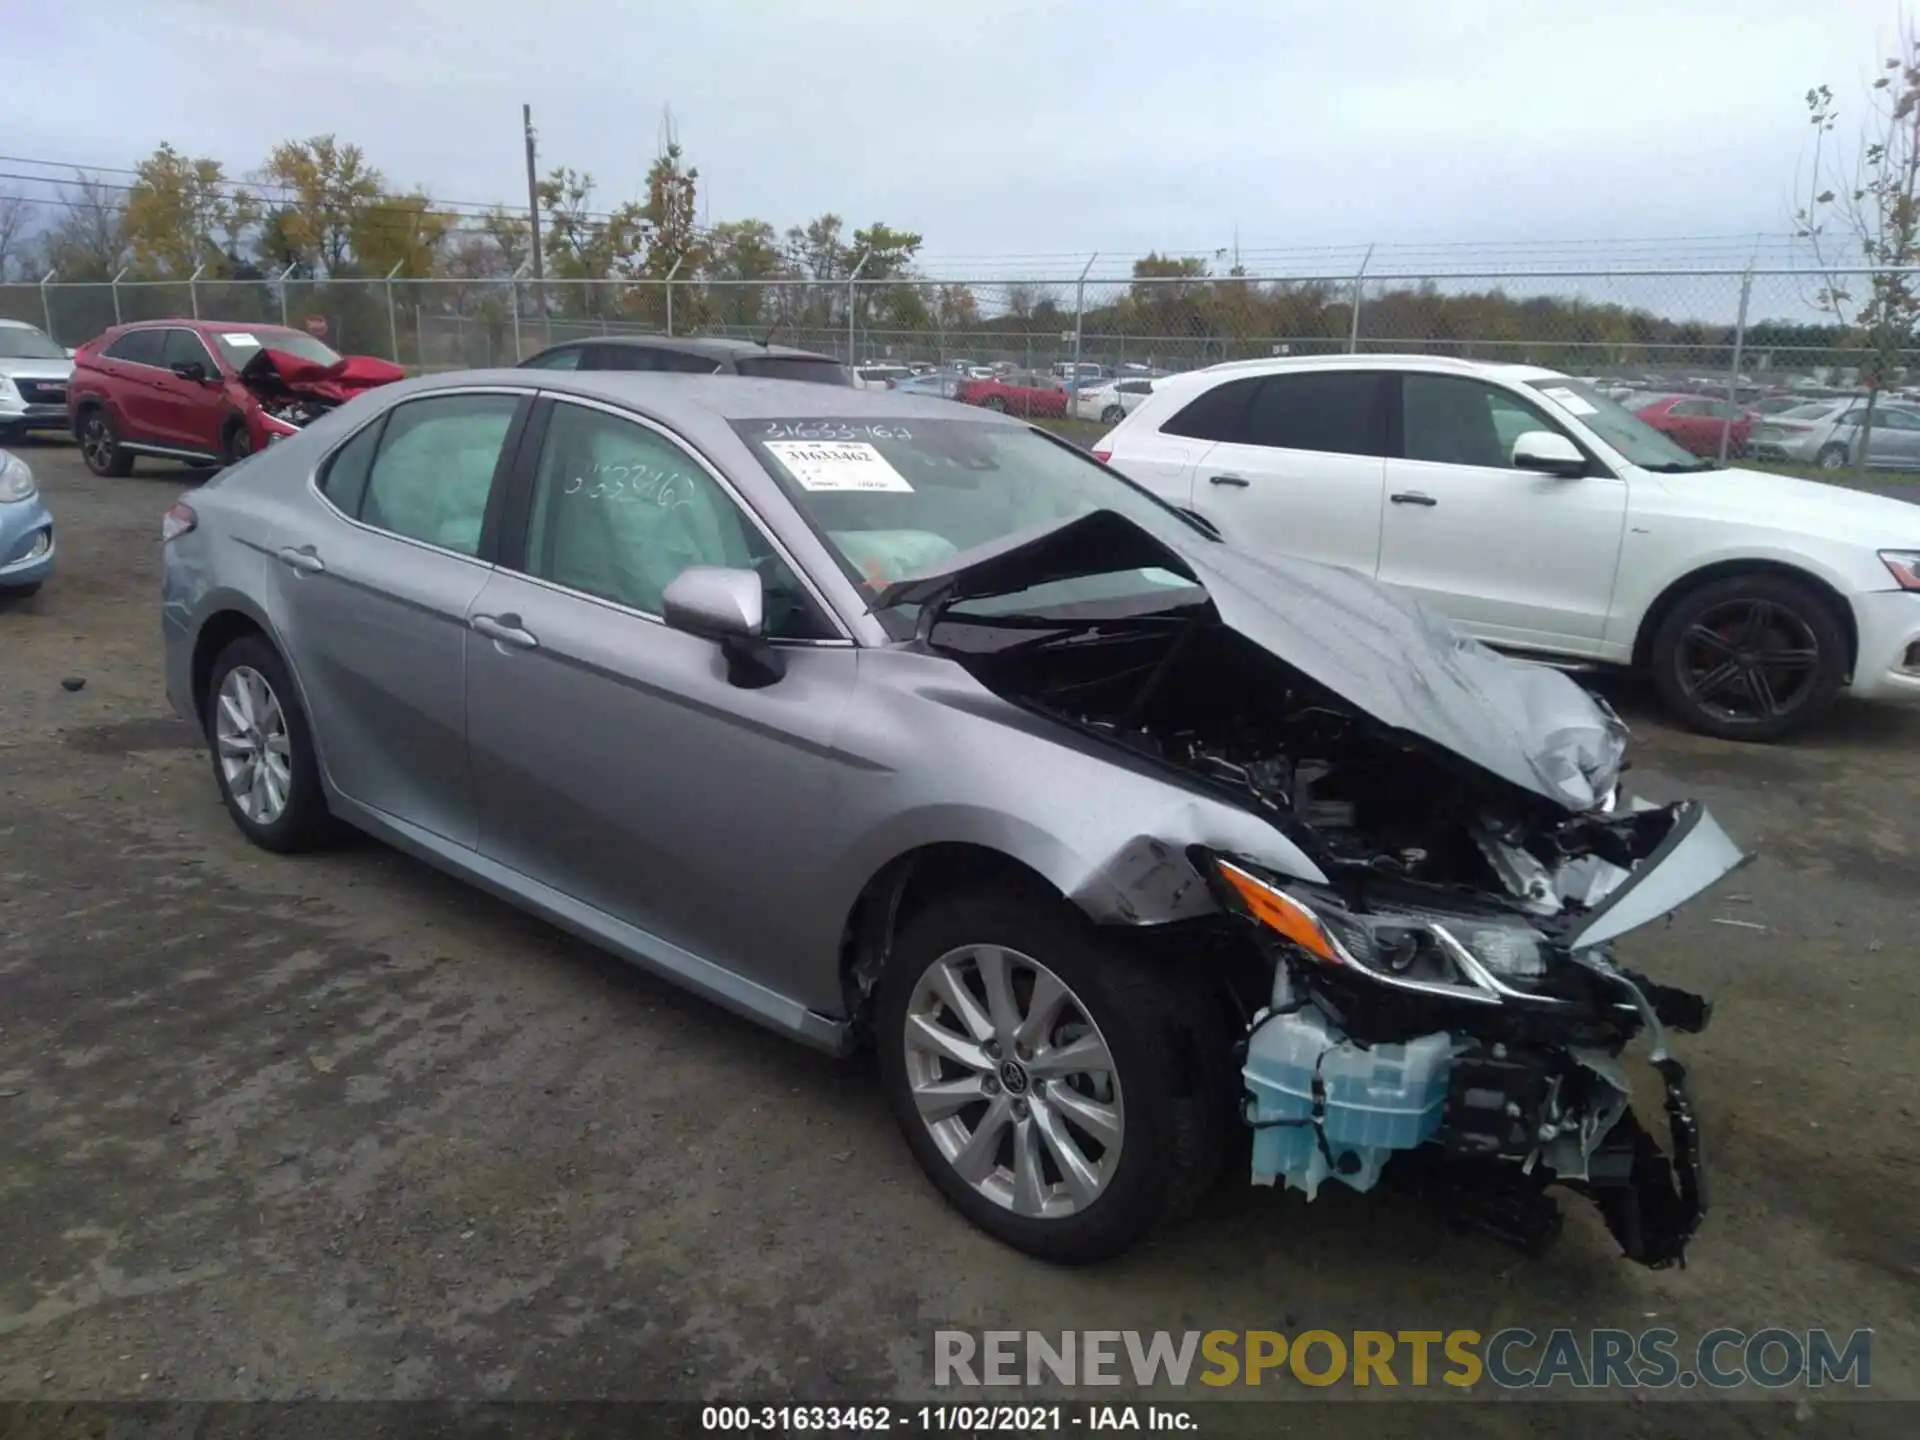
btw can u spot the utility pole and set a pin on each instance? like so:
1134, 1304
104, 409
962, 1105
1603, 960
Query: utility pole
533, 214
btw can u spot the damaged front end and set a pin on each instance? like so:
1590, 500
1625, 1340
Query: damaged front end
1444, 1010
295, 392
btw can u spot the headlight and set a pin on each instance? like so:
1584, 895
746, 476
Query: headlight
1905, 565
1476, 957
7, 391
16, 480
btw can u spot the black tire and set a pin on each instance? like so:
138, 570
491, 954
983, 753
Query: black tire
236, 442
20, 592
1750, 657
1170, 1048
1833, 457
1112, 415
100, 446
304, 823
995, 402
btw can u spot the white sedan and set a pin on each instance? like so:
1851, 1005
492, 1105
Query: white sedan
1111, 400
1542, 517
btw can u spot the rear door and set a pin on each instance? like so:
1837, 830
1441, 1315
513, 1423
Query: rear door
132, 368
1298, 464
613, 758
1515, 556
1896, 439
373, 589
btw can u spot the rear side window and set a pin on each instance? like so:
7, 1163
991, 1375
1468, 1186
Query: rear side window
433, 470
138, 347
621, 357
1220, 414
1338, 412
344, 481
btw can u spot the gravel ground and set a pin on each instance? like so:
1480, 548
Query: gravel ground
339, 1126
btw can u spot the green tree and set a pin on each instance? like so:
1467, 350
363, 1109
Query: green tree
737, 252
583, 244
182, 214
403, 230
323, 190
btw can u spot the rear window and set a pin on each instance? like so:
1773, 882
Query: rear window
794, 367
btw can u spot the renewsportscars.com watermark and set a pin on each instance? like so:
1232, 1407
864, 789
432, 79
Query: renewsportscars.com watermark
1513, 1359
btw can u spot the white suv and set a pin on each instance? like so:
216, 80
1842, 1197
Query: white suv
1541, 516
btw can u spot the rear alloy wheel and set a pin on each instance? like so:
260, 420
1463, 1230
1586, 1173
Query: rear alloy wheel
1065, 1095
1834, 457
262, 753
1113, 415
100, 447
1752, 657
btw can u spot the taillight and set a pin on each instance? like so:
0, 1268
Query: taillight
177, 522
1103, 456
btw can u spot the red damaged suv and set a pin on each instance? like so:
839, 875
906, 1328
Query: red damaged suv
204, 392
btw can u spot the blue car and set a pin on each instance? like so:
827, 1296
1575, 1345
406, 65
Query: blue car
26, 530
942, 385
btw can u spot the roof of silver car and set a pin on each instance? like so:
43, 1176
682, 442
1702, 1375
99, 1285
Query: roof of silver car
722, 397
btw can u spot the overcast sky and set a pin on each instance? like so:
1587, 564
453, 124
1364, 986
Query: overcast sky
1000, 127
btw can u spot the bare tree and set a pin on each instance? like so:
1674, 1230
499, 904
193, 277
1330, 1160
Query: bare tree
88, 242
1866, 209
13, 224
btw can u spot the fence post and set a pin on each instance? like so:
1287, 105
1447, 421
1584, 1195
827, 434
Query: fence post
1359, 281
513, 308
193, 290
852, 303
284, 275
393, 322
670, 274
1079, 311
46, 301
1733, 373
116, 294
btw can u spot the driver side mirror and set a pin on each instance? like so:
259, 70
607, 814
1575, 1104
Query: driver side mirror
728, 606
191, 370
1549, 453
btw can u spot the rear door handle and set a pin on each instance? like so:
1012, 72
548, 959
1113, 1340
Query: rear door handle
1234, 480
505, 629
303, 560
1412, 497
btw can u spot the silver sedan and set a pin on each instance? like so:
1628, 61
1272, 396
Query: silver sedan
878, 720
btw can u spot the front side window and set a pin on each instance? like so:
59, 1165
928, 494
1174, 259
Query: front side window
1451, 420
891, 499
183, 347
619, 511
433, 470
623, 357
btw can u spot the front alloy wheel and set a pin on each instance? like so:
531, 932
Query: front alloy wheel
1065, 1091
1014, 1081
1751, 657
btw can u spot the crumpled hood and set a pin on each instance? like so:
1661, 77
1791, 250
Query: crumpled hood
1374, 647
338, 382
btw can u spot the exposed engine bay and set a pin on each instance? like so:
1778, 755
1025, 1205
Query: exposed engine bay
296, 391
1445, 1013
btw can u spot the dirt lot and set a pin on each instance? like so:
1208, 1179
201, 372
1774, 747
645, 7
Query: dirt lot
339, 1126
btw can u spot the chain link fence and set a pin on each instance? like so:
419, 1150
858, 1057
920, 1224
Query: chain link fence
1737, 332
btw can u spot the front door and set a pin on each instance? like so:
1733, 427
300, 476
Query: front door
613, 758
373, 597
1517, 557
191, 412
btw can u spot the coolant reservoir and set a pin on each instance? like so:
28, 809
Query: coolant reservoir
1377, 1099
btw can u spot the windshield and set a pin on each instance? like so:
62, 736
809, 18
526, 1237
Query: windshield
1638, 442
237, 347
891, 499
795, 367
27, 344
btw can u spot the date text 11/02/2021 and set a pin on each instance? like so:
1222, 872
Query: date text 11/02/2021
959, 1419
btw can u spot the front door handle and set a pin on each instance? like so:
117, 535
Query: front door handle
505, 629
1236, 481
303, 560
1412, 497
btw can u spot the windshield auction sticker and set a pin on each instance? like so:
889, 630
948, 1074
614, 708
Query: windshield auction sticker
845, 465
